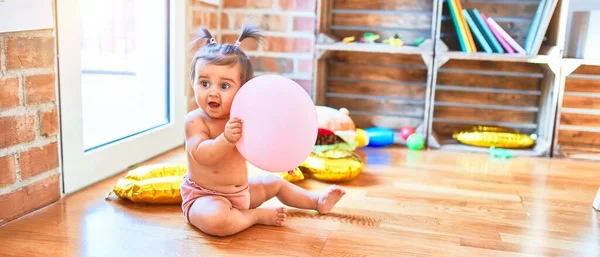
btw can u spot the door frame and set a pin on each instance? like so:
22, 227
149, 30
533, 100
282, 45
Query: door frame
81, 169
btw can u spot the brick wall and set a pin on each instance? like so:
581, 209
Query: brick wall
289, 29
29, 162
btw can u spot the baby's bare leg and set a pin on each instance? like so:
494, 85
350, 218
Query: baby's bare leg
214, 215
266, 186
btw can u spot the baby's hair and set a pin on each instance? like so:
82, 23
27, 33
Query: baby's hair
216, 53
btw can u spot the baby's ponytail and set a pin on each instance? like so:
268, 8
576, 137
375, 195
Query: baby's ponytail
249, 31
224, 53
203, 34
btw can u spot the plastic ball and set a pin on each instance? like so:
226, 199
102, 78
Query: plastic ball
406, 131
415, 142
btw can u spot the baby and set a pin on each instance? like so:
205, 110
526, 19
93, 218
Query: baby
219, 197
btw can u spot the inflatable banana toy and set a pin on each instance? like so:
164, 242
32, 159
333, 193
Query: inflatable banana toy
499, 137
333, 165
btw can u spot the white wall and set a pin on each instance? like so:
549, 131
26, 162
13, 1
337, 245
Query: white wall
578, 5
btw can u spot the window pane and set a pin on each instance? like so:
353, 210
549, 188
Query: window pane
124, 58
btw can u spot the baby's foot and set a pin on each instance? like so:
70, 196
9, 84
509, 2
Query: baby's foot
329, 198
272, 217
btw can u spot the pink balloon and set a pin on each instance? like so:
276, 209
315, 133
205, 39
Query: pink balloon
280, 123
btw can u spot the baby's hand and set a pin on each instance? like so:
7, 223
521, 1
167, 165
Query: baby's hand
233, 130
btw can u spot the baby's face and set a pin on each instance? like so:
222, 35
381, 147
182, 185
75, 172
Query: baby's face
215, 86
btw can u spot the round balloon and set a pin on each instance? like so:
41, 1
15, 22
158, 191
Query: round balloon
279, 126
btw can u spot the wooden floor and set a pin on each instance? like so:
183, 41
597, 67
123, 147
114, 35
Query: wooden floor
404, 204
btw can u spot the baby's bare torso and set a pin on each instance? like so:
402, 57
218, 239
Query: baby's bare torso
229, 175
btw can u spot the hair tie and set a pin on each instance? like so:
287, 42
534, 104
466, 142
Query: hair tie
212, 41
237, 43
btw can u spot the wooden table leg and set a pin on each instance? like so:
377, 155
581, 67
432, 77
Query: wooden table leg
596, 203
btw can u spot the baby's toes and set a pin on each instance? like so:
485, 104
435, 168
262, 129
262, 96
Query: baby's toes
280, 222
281, 215
281, 218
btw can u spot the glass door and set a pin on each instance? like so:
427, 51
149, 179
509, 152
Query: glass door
121, 79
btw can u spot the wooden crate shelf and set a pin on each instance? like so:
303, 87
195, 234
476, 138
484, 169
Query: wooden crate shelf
577, 130
519, 95
434, 86
515, 17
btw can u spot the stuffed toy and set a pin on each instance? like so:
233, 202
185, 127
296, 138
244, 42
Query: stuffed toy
333, 158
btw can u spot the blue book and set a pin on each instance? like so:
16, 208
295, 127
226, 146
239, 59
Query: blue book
535, 23
487, 32
476, 32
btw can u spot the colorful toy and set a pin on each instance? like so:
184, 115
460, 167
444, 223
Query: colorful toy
486, 136
415, 141
348, 39
406, 131
280, 122
380, 136
333, 157
362, 138
369, 37
393, 41
500, 153
419, 41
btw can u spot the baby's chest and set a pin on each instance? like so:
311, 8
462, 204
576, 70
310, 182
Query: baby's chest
215, 130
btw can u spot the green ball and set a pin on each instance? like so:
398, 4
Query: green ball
415, 142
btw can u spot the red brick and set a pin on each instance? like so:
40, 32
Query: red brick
12, 205
225, 21
7, 170
247, 3
38, 160
9, 93
49, 123
42, 193
39, 89
247, 44
306, 84
234, 3
267, 22
29, 52
286, 44
204, 19
29, 198
305, 65
259, 3
271, 64
1, 49
298, 5
16, 130
304, 24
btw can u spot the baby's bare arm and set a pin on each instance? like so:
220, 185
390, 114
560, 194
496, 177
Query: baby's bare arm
204, 151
